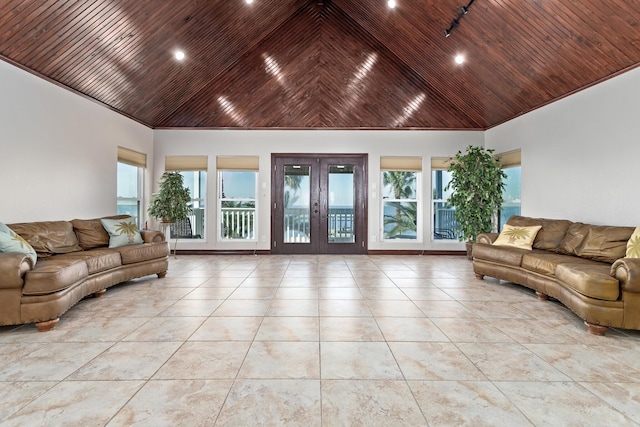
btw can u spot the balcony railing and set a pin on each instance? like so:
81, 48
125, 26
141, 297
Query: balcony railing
297, 228
238, 223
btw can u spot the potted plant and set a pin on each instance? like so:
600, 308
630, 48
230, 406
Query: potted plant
477, 182
173, 202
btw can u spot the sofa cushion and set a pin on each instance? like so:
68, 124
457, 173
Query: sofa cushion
54, 274
48, 237
604, 243
132, 254
547, 262
91, 234
499, 254
633, 245
593, 280
517, 236
12, 242
97, 260
122, 232
550, 235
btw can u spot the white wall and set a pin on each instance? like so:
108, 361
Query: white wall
581, 154
58, 150
263, 143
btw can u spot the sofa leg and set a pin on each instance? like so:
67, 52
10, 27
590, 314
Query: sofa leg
596, 329
99, 293
48, 325
479, 276
162, 275
542, 296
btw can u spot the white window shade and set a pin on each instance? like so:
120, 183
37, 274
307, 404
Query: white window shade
186, 163
237, 163
132, 158
440, 163
509, 159
401, 164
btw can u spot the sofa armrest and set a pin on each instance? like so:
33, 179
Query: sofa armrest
13, 267
151, 236
487, 238
627, 271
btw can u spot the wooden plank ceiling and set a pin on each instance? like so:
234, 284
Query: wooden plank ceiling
322, 64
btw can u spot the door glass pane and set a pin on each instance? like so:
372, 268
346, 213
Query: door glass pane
297, 187
341, 204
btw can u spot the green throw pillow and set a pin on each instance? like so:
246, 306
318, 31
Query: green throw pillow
122, 232
12, 242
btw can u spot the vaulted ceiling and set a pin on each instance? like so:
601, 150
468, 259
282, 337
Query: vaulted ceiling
323, 63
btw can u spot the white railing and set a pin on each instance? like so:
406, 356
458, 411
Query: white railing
238, 223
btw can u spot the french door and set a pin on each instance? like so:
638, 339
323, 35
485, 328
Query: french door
318, 204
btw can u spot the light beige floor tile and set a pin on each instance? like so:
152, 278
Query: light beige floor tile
281, 360
369, 403
358, 360
562, 403
470, 330
625, 397
127, 361
216, 293
76, 403
239, 307
466, 403
174, 403
227, 329
414, 283
335, 293
445, 309
253, 293
583, 363
166, 329
15, 395
299, 282
386, 308
191, 308
510, 362
223, 282
253, 282
288, 329
46, 361
205, 360
496, 310
434, 361
326, 281
426, 294
293, 307
533, 331
349, 329
409, 329
296, 293
387, 294
353, 308
272, 403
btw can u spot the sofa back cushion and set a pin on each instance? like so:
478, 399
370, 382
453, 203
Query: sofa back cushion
91, 233
551, 233
597, 242
48, 237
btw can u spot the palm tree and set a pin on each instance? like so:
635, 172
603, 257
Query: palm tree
405, 216
128, 228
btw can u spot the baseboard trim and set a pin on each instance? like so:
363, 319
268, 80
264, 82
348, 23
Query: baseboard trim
414, 252
268, 252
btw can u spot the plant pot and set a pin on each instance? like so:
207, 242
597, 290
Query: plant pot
469, 247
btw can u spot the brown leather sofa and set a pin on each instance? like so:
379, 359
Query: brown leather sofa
581, 265
73, 261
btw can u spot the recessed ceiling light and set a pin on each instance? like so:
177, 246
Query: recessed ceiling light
179, 55
249, 1
391, 4
459, 59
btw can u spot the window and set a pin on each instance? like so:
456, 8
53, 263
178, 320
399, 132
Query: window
237, 195
445, 226
401, 213
194, 171
511, 204
130, 176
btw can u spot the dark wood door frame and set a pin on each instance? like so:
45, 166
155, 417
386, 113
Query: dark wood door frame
319, 194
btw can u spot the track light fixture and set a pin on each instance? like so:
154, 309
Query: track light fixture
456, 21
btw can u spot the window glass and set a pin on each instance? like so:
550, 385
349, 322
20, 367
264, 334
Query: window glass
400, 210
194, 226
510, 195
129, 191
445, 225
237, 204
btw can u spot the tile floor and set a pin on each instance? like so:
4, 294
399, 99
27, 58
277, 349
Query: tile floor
318, 340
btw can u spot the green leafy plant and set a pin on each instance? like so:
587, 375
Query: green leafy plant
173, 202
477, 182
